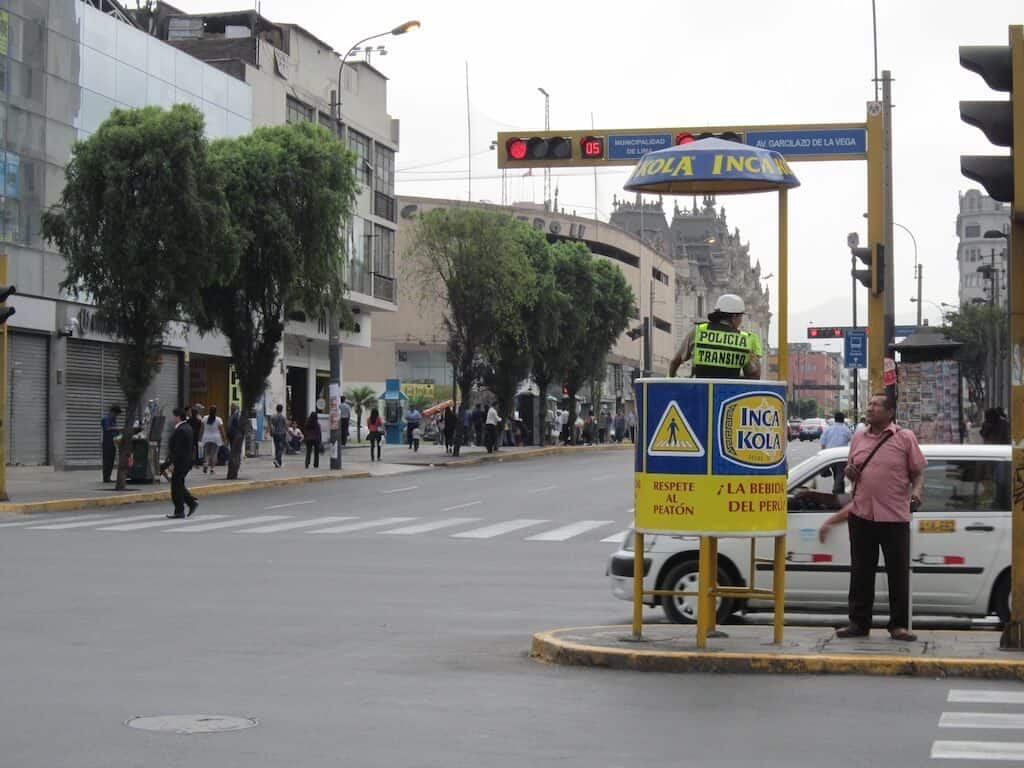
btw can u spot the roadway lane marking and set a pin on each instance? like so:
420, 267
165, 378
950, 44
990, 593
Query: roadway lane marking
543, 488
187, 528
463, 506
981, 720
152, 524
95, 521
568, 531
364, 525
616, 538
490, 531
410, 530
977, 750
477, 477
976, 696
277, 527
402, 490
40, 518
291, 504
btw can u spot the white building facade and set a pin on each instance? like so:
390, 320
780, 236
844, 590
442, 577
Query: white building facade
980, 214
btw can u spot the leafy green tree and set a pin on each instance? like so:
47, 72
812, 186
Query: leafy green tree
142, 226
602, 304
983, 330
478, 258
544, 327
361, 398
291, 189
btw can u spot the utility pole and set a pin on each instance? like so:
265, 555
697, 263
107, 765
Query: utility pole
920, 270
887, 222
547, 127
856, 371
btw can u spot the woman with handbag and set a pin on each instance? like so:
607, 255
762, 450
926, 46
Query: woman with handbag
312, 437
375, 428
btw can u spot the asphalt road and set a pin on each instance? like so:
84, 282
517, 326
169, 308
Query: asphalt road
378, 641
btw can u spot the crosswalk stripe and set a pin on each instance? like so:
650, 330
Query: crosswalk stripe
188, 527
981, 720
490, 531
40, 518
450, 522
151, 524
85, 524
363, 525
977, 750
277, 527
463, 506
616, 539
568, 531
978, 696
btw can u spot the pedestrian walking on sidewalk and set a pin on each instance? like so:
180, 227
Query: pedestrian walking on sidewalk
491, 427
110, 430
195, 423
179, 459
412, 421
631, 426
312, 436
449, 429
479, 417
887, 466
279, 434
375, 431
344, 417
620, 426
213, 438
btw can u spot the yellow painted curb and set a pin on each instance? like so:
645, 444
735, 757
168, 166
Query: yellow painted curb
532, 454
547, 647
240, 486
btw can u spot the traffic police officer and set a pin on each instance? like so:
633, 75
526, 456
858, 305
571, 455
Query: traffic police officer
718, 348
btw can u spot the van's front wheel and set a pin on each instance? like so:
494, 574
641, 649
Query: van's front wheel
685, 577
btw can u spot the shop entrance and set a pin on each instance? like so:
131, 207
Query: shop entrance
297, 383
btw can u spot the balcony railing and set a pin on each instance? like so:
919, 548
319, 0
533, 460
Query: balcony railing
384, 288
359, 281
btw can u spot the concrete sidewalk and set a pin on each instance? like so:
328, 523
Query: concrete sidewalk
805, 650
41, 489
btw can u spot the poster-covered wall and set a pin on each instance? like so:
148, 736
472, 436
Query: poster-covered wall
929, 400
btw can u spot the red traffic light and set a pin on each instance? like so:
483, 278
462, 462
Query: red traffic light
685, 138
592, 147
516, 149
825, 332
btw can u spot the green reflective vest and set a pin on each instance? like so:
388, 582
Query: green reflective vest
720, 351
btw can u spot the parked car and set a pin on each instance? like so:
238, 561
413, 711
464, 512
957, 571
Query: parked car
793, 431
959, 544
811, 429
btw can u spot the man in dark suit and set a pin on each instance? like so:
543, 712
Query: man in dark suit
179, 459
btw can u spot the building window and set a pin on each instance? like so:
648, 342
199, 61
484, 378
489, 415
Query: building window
660, 276
297, 112
972, 230
360, 145
384, 169
383, 251
329, 123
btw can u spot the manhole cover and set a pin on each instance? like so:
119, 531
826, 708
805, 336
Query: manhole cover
186, 724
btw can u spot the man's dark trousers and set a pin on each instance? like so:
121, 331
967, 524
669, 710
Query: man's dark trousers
866, 536
344, 430
108, 461
179, 493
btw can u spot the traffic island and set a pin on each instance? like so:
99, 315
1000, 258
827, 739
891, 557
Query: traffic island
806, 651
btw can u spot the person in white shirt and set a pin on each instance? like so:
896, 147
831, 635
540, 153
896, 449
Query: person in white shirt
213, 438
491, 429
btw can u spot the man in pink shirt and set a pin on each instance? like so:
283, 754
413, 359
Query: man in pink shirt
886, 486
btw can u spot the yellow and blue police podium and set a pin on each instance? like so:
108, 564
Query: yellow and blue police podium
711, 462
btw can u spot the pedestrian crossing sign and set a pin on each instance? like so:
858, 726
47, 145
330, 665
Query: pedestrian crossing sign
674, 436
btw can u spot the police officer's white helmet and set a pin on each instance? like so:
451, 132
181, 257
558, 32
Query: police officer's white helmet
730, 304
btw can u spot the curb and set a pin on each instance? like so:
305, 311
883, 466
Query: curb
547, 647
533, 453
201, 491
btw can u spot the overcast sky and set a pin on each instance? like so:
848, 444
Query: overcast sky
691, 64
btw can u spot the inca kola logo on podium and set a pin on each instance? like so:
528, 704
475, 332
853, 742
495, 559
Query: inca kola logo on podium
752, 430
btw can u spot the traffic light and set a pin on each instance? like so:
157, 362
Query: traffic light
531, 148
825, 332
688, 138
872, 278
5, 311
995, 118
635, 333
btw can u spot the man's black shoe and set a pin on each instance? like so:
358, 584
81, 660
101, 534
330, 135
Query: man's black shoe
175, 517
192, 509
852, 630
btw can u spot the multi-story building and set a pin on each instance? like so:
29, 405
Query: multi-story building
410, 344
982, 261
708, 261
64, 65
810, 369
293, 76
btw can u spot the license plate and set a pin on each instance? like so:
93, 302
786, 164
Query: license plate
936, 526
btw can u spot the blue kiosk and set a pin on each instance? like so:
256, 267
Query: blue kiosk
393, 397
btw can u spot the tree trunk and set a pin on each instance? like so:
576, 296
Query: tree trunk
132, 412
359, 424
465, 389
542, 408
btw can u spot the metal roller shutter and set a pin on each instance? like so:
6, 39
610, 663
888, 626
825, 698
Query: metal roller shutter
28, 398
92, 387
165, 389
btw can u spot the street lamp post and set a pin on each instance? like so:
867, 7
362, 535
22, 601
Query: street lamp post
333, 339
547, 127
918, 269
1000, 371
